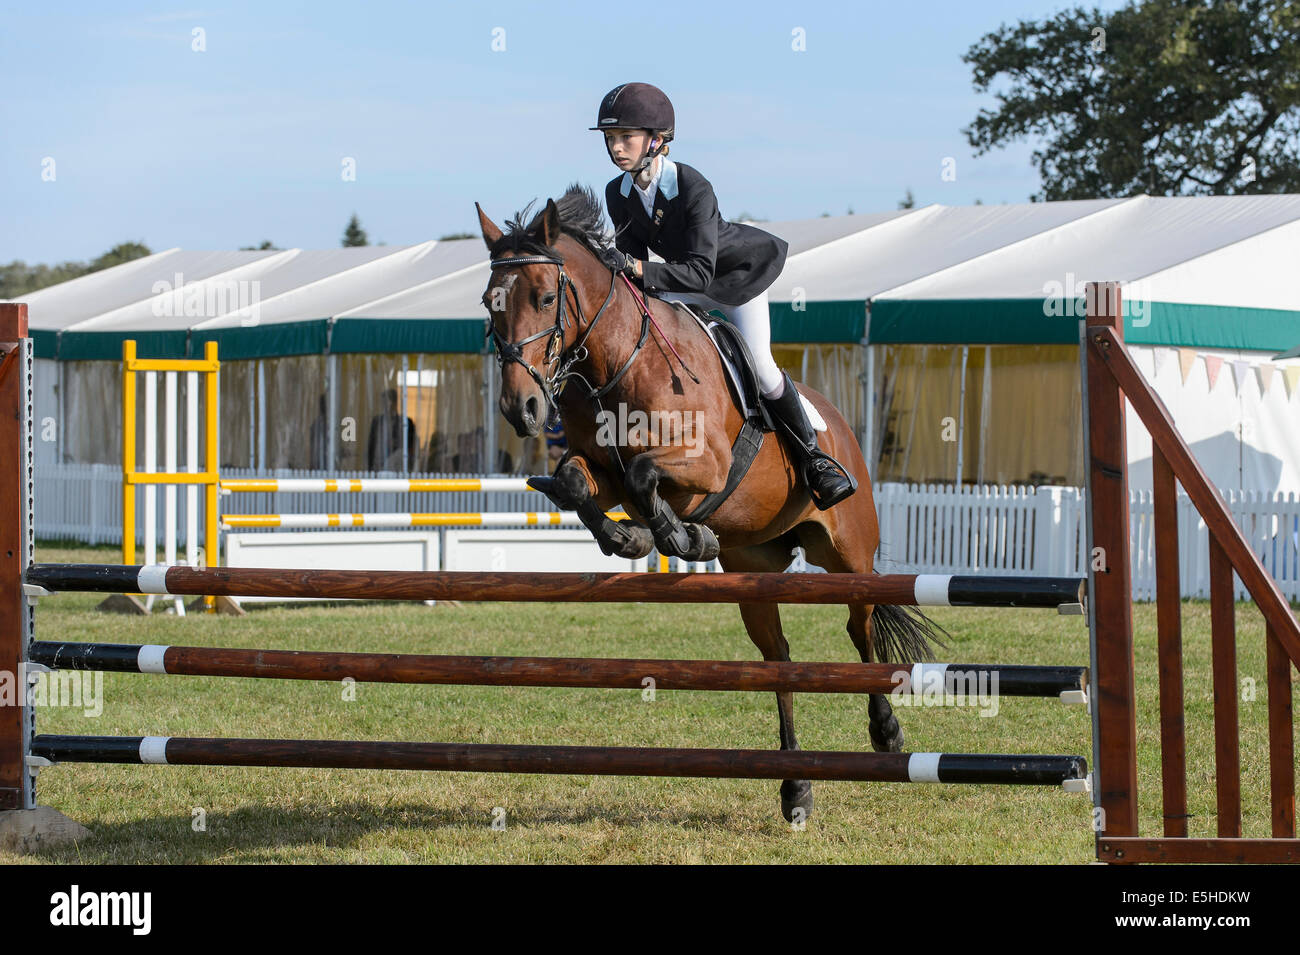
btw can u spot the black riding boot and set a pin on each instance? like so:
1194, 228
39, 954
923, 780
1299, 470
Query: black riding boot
828, 482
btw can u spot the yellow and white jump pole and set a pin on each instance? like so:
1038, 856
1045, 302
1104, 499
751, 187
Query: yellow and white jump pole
369, 485
447, 519
192, 478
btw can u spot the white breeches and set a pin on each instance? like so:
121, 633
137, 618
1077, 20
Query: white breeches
755, 326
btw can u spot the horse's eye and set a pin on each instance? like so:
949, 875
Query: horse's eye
548, 300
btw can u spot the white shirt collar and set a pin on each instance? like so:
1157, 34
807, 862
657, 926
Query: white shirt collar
649, 190
666, 179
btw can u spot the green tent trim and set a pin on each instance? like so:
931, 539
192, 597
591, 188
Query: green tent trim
1056, 322
817, 322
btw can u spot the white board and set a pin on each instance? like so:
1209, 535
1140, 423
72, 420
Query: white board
333, 550
531, 550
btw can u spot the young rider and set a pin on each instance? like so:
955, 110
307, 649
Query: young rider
670, 208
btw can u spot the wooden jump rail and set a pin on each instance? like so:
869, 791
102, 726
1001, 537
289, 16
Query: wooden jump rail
1066, 683
927, 590
1111, 376
1065, 771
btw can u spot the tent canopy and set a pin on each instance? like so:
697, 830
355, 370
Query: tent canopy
1197, 271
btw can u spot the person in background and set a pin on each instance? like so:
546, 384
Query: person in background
467, 460
384, 449
556, 442
320, 437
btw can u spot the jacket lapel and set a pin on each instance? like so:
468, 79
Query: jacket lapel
664, 194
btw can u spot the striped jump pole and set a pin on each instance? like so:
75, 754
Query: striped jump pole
437, 519
369, 485
927, 590
950, 679
1069, 772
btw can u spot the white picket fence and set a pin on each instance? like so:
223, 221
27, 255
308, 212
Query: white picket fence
924, 528
81, 502
987, 529
1270, 522
1001, 530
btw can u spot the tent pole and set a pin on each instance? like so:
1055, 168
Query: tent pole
490, 419
986, 404
331, 412
961, 414
868, 434
406, 367
261, 416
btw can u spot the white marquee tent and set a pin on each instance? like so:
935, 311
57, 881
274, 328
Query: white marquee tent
913, 321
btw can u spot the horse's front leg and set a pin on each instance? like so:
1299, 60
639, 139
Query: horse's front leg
672, 536
578, 486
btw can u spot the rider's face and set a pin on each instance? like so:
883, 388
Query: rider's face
627, 145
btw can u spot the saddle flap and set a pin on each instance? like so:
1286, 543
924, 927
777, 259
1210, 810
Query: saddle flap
738, 363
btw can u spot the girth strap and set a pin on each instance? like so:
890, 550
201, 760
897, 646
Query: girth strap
743, 451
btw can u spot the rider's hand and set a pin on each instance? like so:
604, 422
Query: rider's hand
620, 262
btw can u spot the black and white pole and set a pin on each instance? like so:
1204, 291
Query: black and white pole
1068, 772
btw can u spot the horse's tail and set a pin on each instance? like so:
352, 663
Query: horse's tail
904, 634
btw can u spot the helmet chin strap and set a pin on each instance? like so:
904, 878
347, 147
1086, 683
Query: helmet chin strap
646, 160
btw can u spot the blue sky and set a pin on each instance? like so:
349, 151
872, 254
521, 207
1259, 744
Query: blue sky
154, 142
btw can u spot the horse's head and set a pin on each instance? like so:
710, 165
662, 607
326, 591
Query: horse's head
534, 312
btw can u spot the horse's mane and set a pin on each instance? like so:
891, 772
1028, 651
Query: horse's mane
581, 216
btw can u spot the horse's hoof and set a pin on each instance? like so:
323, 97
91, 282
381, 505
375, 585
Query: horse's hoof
703, 543
796, 800
882, 725
630, 541
886, 737
553, 491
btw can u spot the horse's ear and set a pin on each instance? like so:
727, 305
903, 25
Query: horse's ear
550, 224
490, 231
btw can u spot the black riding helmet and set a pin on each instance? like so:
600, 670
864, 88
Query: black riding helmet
637, 106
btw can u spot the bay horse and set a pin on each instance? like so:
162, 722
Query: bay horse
569, 333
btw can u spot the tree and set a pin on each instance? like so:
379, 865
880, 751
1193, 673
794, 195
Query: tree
1167, 97
119, 254
18, 278
354, 235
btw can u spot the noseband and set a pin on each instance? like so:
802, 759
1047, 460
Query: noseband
559, 362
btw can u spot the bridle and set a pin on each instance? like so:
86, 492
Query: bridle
560, 362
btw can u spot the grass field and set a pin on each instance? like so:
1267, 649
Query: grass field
143, 814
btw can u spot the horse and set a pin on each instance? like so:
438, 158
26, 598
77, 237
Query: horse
569, 333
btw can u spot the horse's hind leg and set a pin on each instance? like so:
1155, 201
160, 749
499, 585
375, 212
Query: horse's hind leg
820, 549
763, 623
